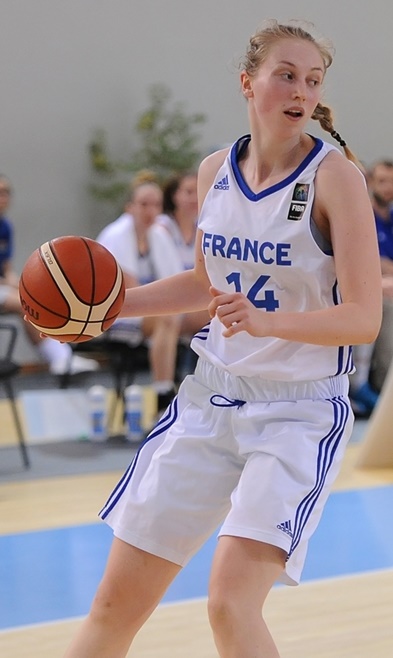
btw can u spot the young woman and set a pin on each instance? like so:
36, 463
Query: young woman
180, 216
180, 204
255, 437
145, 252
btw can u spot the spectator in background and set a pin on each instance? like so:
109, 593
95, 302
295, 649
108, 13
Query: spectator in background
180, 205
59, 356
146, 252
381, 191
372, 361
180, 219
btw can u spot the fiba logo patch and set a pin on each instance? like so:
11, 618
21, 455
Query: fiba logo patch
299, 201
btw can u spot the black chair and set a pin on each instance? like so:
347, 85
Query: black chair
8, 370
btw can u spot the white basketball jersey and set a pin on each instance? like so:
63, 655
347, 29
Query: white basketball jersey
263, 245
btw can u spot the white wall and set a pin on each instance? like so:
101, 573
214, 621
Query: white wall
70, 66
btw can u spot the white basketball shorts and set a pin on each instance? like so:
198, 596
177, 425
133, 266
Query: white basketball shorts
258, 457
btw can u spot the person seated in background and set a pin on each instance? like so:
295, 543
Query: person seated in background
146, 252
372, 361
59, 356
381, 187
180, 217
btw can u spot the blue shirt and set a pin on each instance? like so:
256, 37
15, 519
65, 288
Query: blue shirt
6, 242
385, 235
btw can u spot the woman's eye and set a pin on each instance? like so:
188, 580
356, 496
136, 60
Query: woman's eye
287, 76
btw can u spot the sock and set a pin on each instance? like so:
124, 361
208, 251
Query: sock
163, 386
51, 350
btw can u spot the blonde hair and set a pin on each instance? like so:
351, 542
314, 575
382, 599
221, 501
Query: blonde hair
258, 49
143, 178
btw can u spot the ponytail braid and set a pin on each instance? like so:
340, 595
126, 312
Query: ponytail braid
324, 115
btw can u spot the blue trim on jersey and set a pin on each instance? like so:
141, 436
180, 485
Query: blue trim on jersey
326, 452
349, 364
348, 367
165, 422
335, 293
345, 352
234, 155
203, 333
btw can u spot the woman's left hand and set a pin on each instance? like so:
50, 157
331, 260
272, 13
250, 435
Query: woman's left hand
236, 313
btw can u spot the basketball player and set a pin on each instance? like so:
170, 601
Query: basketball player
255, 437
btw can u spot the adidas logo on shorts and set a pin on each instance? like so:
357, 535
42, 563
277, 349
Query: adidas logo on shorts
286, 527
222, 184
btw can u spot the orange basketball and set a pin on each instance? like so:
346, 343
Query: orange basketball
71, 289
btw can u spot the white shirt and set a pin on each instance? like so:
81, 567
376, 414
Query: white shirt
162, 259
264, 246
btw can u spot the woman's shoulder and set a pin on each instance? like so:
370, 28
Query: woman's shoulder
159, 231
340, 189
208, 170
118, 229
165, 220
335, 168
212, 163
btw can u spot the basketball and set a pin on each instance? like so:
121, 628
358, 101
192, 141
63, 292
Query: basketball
71, 289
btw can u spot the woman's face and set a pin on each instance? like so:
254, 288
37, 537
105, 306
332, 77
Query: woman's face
381, 184
287, 86
147, 204
186, 198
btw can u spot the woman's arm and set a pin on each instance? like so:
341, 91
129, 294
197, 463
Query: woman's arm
181, 293
342, 199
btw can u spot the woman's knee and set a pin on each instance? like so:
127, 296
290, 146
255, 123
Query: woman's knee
163, 324
222, 610
243, 574
171, 322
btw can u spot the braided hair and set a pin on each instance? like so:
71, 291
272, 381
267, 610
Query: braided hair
324, 115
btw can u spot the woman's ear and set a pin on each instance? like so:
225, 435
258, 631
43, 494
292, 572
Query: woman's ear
246, 85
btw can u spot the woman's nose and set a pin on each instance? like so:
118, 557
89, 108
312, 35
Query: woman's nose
300, 93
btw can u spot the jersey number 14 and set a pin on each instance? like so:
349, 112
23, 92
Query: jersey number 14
268, 302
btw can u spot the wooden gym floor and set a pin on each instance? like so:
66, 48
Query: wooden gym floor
49, 534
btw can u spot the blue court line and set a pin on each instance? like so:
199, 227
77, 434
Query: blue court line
53, 574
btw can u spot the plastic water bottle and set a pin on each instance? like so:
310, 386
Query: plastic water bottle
97, 397
133, 398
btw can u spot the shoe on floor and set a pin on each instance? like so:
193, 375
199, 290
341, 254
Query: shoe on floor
76, 365
364, 397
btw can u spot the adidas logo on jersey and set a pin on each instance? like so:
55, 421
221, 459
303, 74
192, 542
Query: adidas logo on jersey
286, 527
222, 184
